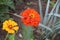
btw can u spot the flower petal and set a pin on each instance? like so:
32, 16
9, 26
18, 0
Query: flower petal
16, 28
9, 25
30, 15
11, 31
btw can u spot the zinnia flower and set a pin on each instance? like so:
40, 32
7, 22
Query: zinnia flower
10, 26
30, 17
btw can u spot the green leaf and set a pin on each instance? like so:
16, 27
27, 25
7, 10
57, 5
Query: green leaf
27, 32
52, 3
47, 39
57, 22
4, 16
4, 9
8, 3
11, 36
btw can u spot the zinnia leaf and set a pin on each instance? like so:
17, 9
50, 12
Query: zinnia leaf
27, 32
11, 37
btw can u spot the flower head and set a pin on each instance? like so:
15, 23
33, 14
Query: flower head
10, 26
30, 17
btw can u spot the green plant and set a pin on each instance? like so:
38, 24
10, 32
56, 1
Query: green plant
27, 32
5, 6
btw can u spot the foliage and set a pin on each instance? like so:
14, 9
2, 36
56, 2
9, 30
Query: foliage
10, 37
52, 3
27, 32
50, 21
3, 17
5, 6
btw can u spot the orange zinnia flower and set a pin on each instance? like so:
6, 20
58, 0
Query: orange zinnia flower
30, 17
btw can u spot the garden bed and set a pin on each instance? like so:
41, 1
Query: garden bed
20, 6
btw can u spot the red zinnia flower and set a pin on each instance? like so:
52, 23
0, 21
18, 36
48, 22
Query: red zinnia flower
30, 17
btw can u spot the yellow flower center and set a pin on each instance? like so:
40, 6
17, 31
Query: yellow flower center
31, 15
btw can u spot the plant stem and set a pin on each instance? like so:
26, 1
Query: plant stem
6, 36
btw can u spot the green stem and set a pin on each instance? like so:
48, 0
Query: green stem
6, 36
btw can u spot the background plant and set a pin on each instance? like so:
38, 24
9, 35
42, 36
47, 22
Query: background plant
5, 7
50, 23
